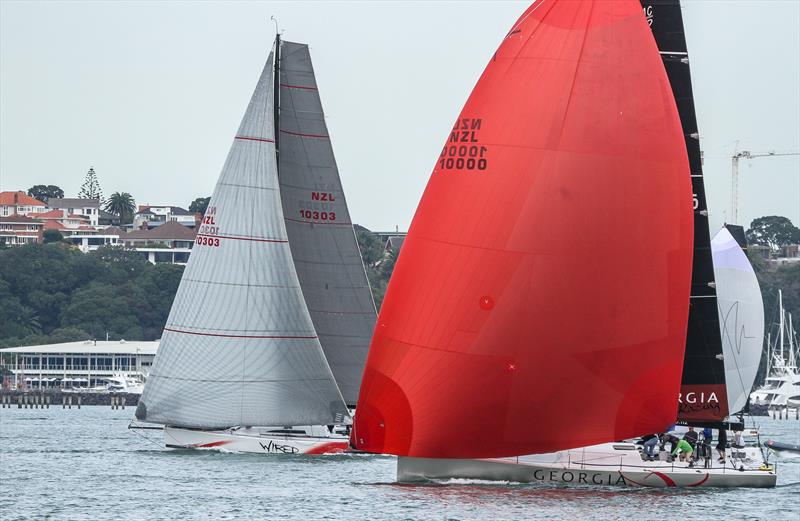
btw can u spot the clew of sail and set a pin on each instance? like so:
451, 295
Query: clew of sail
321, 235
541, 299
741, 316
239, 346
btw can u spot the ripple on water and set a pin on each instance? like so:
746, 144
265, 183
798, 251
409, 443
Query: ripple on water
86, 465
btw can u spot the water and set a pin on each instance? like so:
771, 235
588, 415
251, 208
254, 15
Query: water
85, 464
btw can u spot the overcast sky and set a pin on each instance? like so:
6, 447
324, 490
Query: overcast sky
151, 93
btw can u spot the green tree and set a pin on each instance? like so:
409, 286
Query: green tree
90, 189
123, 205
773, 231
45, 192
199, 205
52, 236
370, 245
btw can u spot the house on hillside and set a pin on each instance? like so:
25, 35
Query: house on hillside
88, 208
17, 229
19, 203
62, 220
154, 216
169, 242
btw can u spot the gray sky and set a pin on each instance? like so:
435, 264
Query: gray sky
151, 93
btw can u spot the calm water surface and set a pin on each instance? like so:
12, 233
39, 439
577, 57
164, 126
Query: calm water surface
85, 464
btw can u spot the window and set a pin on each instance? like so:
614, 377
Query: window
31, 227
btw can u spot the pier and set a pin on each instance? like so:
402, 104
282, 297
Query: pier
45, 399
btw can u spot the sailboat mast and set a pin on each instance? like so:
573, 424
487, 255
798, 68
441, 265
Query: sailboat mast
790, 332
277, 90
780, 319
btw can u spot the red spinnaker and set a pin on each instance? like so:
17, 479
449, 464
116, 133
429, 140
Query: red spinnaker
540, 302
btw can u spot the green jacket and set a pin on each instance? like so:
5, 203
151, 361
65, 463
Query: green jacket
682, 446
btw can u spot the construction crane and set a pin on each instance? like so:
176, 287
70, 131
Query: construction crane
746, 154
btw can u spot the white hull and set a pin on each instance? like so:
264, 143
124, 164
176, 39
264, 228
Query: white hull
617, 464
254, 440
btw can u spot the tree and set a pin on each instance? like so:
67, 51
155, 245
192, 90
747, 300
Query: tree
773, 231
199, 205
52, 236
90, 189
45, 192
123, 205
370, 245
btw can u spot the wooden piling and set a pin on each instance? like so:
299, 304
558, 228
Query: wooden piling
123, 402
79, 401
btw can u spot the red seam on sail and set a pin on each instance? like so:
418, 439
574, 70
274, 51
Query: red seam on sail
264, 140
316, 222
305, 135
297, 87
238, 238
239, 336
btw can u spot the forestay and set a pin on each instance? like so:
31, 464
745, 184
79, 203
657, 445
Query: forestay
741, 316
239, 347
321, 236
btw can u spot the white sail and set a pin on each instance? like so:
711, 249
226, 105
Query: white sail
239, 347
741, 316
321, 235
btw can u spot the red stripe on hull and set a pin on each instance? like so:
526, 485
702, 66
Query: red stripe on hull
332, 447
210, 445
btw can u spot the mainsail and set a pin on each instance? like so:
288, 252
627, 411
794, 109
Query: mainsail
541, 299
703, 396
239, 347
321, 235
741, 315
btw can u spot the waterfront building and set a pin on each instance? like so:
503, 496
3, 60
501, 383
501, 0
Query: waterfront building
77, 364
18, 203
17, 229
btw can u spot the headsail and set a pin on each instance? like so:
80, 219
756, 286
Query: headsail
321, 235
497, 337
741, 316
703, 394
239, 347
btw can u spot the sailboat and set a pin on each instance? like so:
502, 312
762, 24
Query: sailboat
265, 343
469, 374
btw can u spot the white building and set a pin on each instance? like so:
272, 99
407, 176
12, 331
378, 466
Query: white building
89, 208
89, 363
153, 216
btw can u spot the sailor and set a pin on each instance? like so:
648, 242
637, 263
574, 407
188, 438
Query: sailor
722, 444
650, 442
691, 437
684, 451
704, 450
